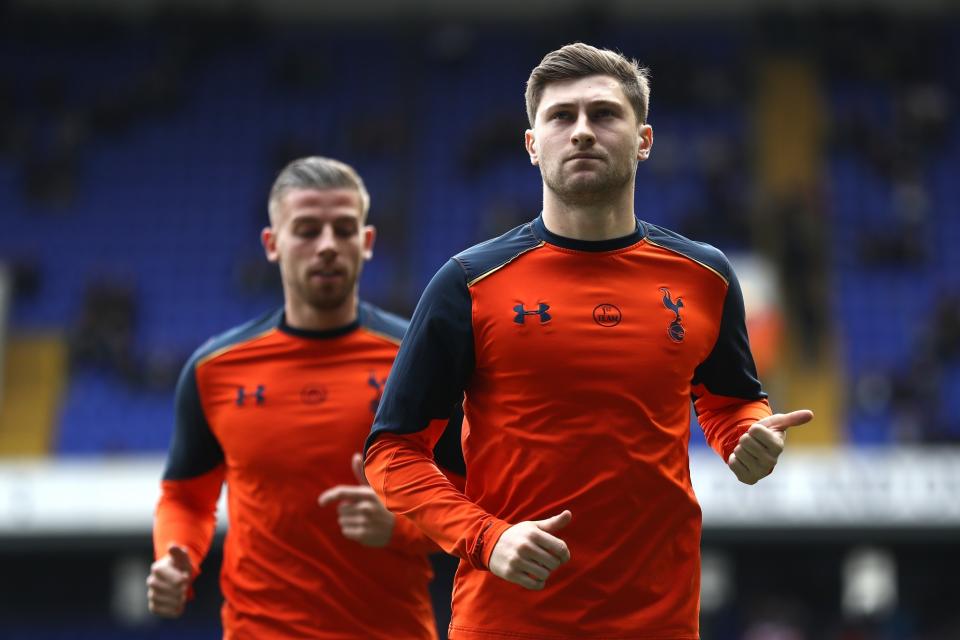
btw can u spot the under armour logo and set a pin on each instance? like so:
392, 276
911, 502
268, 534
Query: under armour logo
541, 311
258, 395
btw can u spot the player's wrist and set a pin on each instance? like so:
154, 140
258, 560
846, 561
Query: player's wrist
490, 537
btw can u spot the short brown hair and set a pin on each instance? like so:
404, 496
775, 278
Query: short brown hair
317, 172
579, 60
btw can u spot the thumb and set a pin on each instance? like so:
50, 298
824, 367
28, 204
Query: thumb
181, 559
555, 523
357, 463
783, 421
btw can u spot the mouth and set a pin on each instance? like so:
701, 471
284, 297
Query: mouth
326, 274
584, 156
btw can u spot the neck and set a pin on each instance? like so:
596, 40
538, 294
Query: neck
601, 220
301, 315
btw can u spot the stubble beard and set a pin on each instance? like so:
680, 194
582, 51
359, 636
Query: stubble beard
591, 188
328, 298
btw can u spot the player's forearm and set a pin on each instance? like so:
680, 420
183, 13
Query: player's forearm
186, 515
183, 527
404, 475
408, 537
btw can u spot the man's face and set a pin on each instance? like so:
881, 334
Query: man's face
586, 139
320, 242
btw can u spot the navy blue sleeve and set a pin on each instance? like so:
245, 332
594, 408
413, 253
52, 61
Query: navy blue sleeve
729, 370
194, 450
435, 360
448, 451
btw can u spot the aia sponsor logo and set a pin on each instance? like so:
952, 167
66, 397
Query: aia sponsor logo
607, 315
313, 394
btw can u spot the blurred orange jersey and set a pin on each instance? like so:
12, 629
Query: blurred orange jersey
277, 413
579, 361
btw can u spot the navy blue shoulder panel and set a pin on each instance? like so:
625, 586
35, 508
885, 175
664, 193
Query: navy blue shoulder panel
699, 252
379, 321
194, 450
488, 256
729, 370
448, 451
238, 334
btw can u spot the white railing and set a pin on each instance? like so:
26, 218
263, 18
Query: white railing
902, 488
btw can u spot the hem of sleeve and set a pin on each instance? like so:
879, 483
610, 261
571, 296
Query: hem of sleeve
740, 419
737, 432
489, 539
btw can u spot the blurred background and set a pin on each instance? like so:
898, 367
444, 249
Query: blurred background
816, 143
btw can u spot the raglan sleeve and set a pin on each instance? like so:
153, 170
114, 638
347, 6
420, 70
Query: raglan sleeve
192, 478
424, 391
727, 395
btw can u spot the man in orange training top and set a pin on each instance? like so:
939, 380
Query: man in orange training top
277, 408
579, 339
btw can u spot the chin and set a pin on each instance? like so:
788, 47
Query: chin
328, 300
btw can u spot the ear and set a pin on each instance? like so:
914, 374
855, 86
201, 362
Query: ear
268, 238
369, 237
646, 142
530, 142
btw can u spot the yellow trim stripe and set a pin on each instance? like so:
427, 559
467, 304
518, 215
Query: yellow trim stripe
384, 336
222, 350
680, 253
497, 268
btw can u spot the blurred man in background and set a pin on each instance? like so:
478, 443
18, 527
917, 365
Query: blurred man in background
579, 339
278, 408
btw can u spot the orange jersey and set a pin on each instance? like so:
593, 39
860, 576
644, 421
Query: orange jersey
277, 413
579, 361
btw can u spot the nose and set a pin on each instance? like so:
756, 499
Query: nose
582, 135
326, 242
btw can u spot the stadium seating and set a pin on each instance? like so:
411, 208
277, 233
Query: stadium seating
169, 197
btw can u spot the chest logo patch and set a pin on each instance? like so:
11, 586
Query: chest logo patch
258, 395
607, 315
313, 394
541, 311
675, 330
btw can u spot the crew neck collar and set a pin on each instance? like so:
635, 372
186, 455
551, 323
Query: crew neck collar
320, 334
540, 230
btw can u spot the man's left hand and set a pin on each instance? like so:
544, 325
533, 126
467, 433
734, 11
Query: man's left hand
756, 454
362, 516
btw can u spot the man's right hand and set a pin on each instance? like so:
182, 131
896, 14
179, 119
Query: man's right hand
168, 583
527, 552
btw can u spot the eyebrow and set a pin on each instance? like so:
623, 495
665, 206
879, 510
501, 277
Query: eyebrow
309, 217
590, 103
